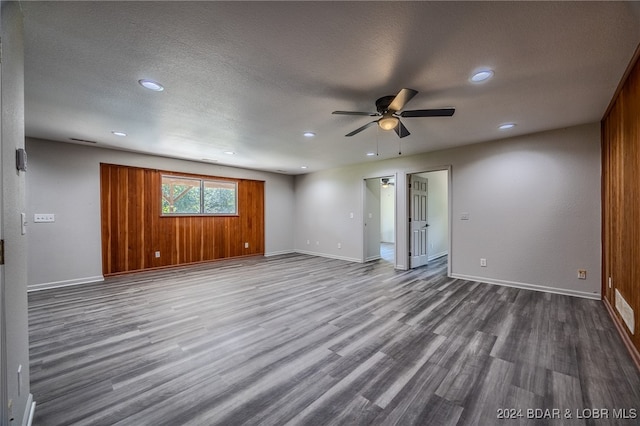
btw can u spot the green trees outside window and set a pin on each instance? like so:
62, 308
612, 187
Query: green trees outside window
189, 196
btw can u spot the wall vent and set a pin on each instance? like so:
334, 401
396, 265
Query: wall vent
82, 140
625, 311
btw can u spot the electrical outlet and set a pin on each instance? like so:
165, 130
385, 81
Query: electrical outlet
582, 274
483, 262
339, 245
246, 245
308, 242
157, 254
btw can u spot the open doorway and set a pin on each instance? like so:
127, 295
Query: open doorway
428, 214
380, 219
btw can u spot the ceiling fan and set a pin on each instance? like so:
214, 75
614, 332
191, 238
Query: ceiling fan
389, 108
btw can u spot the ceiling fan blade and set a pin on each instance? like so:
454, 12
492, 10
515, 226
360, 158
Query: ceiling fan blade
401, 99
370, 114
442, 112
359, 129
401, 131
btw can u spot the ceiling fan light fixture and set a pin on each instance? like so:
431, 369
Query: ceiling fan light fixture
388, 122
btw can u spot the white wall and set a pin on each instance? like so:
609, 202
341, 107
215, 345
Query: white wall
388, 214
327, 213
64, 179
533, 202
14, 348
372, 218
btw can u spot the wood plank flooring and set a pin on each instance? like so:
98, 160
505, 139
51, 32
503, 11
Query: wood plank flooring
302, 340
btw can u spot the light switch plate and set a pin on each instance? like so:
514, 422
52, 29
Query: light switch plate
44, 218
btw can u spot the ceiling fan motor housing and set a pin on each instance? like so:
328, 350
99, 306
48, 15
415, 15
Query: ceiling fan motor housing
382, 104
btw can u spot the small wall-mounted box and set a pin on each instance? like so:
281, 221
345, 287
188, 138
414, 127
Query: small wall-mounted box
21, 159
44, 218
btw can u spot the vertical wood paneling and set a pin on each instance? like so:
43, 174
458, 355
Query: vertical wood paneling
133, 228
621, 201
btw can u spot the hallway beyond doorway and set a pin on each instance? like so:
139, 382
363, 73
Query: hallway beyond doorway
388, 252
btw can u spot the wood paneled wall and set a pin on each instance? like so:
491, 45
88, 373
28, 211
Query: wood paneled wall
133, 228
621, 204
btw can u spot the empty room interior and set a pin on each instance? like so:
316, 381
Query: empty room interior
319, 213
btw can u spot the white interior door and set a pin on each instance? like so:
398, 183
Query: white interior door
418, 190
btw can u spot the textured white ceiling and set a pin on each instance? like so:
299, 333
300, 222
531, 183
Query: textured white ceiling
251, 77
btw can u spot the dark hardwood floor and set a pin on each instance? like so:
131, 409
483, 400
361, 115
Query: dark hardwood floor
301, 340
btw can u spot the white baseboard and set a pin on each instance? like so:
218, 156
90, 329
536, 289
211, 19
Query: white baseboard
526, 286
330, 256
437, 256
278, 253
29, 411
65, 283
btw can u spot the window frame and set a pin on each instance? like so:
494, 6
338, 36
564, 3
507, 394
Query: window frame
202, 182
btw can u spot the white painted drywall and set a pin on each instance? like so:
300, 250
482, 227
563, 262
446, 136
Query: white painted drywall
387, 214
372, 215
15, 349
64, 179
533, 202
328, 211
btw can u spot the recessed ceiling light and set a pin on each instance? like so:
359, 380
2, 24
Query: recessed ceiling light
210, 160
371, 154
481, 76
303, 167
151, 85
507, 126
121, 134
309, 134
229, 152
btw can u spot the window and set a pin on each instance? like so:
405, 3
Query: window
219, 197
189, 196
